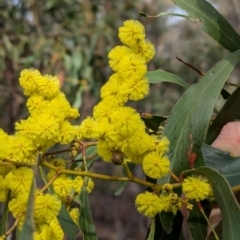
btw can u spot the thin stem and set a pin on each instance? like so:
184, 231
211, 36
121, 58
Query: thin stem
57, 152
174, 177
190, 66
232, 84
13, 226
15, 163
204, 215
101, 176
129, 174
50, 182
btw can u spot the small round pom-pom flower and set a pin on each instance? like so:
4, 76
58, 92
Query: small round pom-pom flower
132, 67
63, 186
139, 89
19, 180
145, 50
155, 165
90, 185
46, 208
74, 214
3, 189
196, 188
115, 56
131, 32
88, 129
28, 79
148, 204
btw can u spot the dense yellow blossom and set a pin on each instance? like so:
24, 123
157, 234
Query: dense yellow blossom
132, 67
46, 208
155, 165
131, 32
103, 110
114, 90
74, 214
196, 188
139, 89
88, 129
116, 54
77, 184
148, 204
18, 205
28, 80
3, 189
19, 180
145, 50
90, 185
63, 187
66, 132
50, 231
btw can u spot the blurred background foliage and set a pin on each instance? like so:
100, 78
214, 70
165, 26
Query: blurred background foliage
71, 39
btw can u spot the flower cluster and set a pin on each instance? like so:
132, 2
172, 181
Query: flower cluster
197, 188
150, 204
119, 128
48, 123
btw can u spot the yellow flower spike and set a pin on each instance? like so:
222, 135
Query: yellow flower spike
90, 185
63, 186
88, 129
115, 90
196, 188
18, 204
3, 189
74, 214
19, 180
116, 55
145, 50
155, 165
131, 32
66, 133
132, 67
28, 79
148, 204
36, 102
77, 184
46, 208
139, 89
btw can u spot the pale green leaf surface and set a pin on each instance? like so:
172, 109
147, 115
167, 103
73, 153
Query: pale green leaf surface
222, 162
158, 76
85, 220
211, 22
226, 201
188, 122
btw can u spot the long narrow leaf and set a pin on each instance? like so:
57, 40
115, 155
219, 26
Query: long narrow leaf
85, 220
158, 76
211, 22
226, 201
188, 122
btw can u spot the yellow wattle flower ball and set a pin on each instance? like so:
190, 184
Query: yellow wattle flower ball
131, 32
196, 188
156, 165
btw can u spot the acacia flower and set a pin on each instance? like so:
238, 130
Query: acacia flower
156, 165
131, 32
46, 207
196, 188
145, 50
74, 214
116, 54
19, 179
148, 204
132, 67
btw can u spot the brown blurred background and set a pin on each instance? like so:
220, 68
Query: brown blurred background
71, 39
